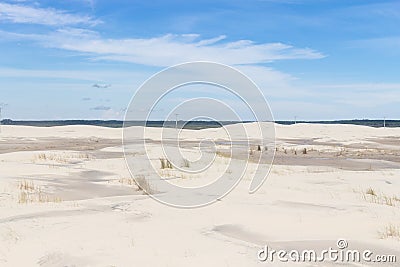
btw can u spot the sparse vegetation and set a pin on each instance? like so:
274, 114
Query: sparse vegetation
165, 164
26, 185
251, 152
29, 193
390, 231
371, 192
144, 184
223, 154
372, 196
61, 157
341, 152
186, 163
127, 181
167, 173
139, 181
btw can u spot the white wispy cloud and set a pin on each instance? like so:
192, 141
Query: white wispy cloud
167, 49
83, 75
18, 13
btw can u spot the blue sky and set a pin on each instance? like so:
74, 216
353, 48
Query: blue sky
314, 59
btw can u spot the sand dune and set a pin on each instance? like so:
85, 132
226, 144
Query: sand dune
67, 198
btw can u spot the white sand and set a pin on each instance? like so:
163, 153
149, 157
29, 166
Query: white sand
87, 217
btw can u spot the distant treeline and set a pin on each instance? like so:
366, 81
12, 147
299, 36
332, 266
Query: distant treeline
371, 123
111, 123
119, 124
186, 125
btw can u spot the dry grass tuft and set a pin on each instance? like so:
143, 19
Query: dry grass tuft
372, 196
127, 181
140, 182
26, 185
61, 157
165, 164
371, 192
144, 184
390, 231
223, 154
167, 173
29, 193
186, 163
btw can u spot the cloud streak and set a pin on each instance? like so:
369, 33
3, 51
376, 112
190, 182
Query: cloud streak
16, 13
98, 85
167, 49
103, 108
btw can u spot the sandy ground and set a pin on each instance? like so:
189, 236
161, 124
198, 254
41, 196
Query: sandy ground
67, 199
